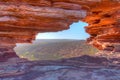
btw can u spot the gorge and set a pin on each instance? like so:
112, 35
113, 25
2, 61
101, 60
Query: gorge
22, 20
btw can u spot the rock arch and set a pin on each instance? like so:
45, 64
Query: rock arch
21, 20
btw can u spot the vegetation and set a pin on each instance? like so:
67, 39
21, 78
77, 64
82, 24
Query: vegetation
54, 49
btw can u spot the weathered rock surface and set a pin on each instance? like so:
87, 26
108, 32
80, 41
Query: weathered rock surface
79, 68
104, 25
6, 51
21, 20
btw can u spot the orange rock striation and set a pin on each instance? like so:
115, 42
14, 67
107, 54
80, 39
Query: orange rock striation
21, 20
104, 25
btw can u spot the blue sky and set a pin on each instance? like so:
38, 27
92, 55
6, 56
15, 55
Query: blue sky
76, 31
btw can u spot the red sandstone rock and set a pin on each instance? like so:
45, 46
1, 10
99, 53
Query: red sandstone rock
21, 20
104, 21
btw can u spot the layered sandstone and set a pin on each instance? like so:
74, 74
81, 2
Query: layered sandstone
80, 68
104, 25
21, 20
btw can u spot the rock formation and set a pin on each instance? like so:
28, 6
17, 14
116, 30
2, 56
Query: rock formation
104, 24
21, 20
80, 68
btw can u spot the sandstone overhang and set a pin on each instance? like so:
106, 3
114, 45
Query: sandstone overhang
21, 20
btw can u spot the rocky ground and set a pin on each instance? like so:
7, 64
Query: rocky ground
21, 20
79, 68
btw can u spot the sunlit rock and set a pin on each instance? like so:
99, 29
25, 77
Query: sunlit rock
21, 20
104, 21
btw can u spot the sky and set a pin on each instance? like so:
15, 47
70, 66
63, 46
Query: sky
76, 31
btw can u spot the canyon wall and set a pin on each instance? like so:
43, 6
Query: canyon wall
21, 20
104, 25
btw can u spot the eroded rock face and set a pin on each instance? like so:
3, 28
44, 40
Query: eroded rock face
80, 68
21, 20
104, 25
